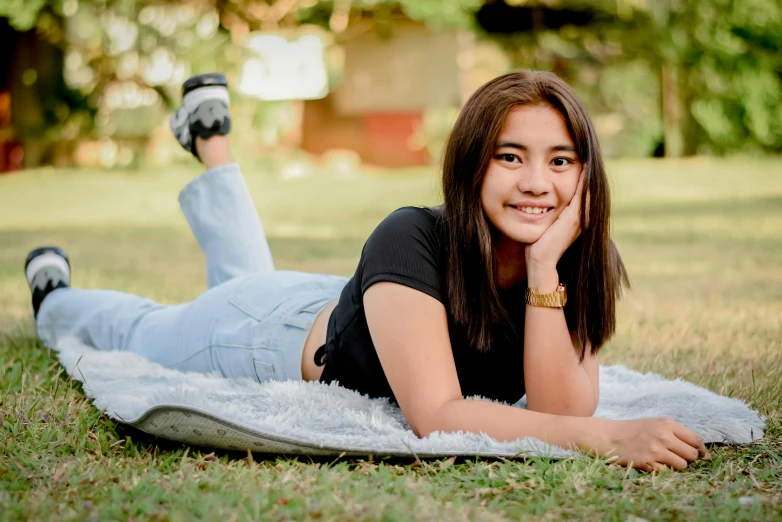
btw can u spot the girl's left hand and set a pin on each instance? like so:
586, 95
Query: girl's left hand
548, 249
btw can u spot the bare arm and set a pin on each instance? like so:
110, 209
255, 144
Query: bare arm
556, 381
409, 330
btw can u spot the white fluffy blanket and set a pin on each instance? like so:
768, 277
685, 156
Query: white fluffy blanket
319, 419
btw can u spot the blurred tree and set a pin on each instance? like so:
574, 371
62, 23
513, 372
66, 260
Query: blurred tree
720, 70
43, 108
698, 76
129, 57
716, 63
105, 69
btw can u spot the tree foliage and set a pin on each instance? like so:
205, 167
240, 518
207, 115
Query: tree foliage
22, 14
707, 74
716, 65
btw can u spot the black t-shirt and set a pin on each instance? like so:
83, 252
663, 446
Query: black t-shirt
408, 247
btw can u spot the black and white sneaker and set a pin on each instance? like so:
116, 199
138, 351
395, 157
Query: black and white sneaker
47, 269
204, 110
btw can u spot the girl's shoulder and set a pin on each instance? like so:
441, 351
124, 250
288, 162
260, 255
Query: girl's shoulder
405, 218
410, 225
410, 211
405, 248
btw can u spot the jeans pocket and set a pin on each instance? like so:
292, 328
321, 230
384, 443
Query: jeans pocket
305, 312
267, 365
231, 362
257, 364
265, 295
259, 296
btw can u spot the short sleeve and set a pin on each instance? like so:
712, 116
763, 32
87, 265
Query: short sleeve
405, 249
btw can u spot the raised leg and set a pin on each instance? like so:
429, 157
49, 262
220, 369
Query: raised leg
217, 204
222, 216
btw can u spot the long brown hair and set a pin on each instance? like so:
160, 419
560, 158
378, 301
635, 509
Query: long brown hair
591, 268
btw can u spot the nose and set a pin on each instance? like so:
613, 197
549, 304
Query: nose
535, 180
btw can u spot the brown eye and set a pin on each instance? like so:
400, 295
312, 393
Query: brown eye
510, 158
561, 162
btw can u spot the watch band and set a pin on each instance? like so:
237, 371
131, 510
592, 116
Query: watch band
555, 299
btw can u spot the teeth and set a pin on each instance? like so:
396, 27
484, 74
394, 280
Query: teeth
533, 210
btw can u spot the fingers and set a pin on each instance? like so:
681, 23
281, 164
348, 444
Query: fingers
576, 201
656, 466
690, 437
684, 450
575, 207
586, 210
671, 460
675, 461
649, 466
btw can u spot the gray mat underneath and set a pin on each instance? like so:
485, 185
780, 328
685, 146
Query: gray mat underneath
311, 418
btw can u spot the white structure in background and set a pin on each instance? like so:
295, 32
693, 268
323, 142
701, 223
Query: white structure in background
285, 69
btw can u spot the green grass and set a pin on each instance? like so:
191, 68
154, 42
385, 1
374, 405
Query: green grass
703, 243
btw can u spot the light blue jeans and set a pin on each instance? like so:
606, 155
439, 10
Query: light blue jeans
252, 322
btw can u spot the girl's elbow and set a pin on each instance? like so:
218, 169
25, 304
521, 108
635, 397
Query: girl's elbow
424, 430
439, 418
584, 410
422, 433
421, 426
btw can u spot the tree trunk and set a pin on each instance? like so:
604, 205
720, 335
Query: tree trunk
672, 111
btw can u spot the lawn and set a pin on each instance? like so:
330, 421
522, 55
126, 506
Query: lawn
702, 240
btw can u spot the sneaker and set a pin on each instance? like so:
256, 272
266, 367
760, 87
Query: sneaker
47, 269
204, 111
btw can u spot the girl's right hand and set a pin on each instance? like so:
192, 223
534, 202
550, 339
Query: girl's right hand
652, 444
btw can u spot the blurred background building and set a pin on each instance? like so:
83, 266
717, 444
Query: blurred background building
90, 82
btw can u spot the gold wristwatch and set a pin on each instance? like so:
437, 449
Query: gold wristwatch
555, 299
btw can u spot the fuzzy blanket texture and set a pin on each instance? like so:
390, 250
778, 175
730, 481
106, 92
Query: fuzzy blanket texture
312, 418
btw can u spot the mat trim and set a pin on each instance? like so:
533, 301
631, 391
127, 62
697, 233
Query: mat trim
200, 428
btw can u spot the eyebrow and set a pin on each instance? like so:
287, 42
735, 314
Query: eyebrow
555, 148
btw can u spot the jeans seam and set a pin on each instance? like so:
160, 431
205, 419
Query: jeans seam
199, 352
242, 347
251, 313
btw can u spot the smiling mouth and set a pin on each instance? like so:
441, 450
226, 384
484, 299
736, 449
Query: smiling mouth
533, 210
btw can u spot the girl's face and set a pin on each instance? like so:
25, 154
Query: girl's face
533, 174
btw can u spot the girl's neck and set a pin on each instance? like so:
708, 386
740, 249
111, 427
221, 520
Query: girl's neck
511, 263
